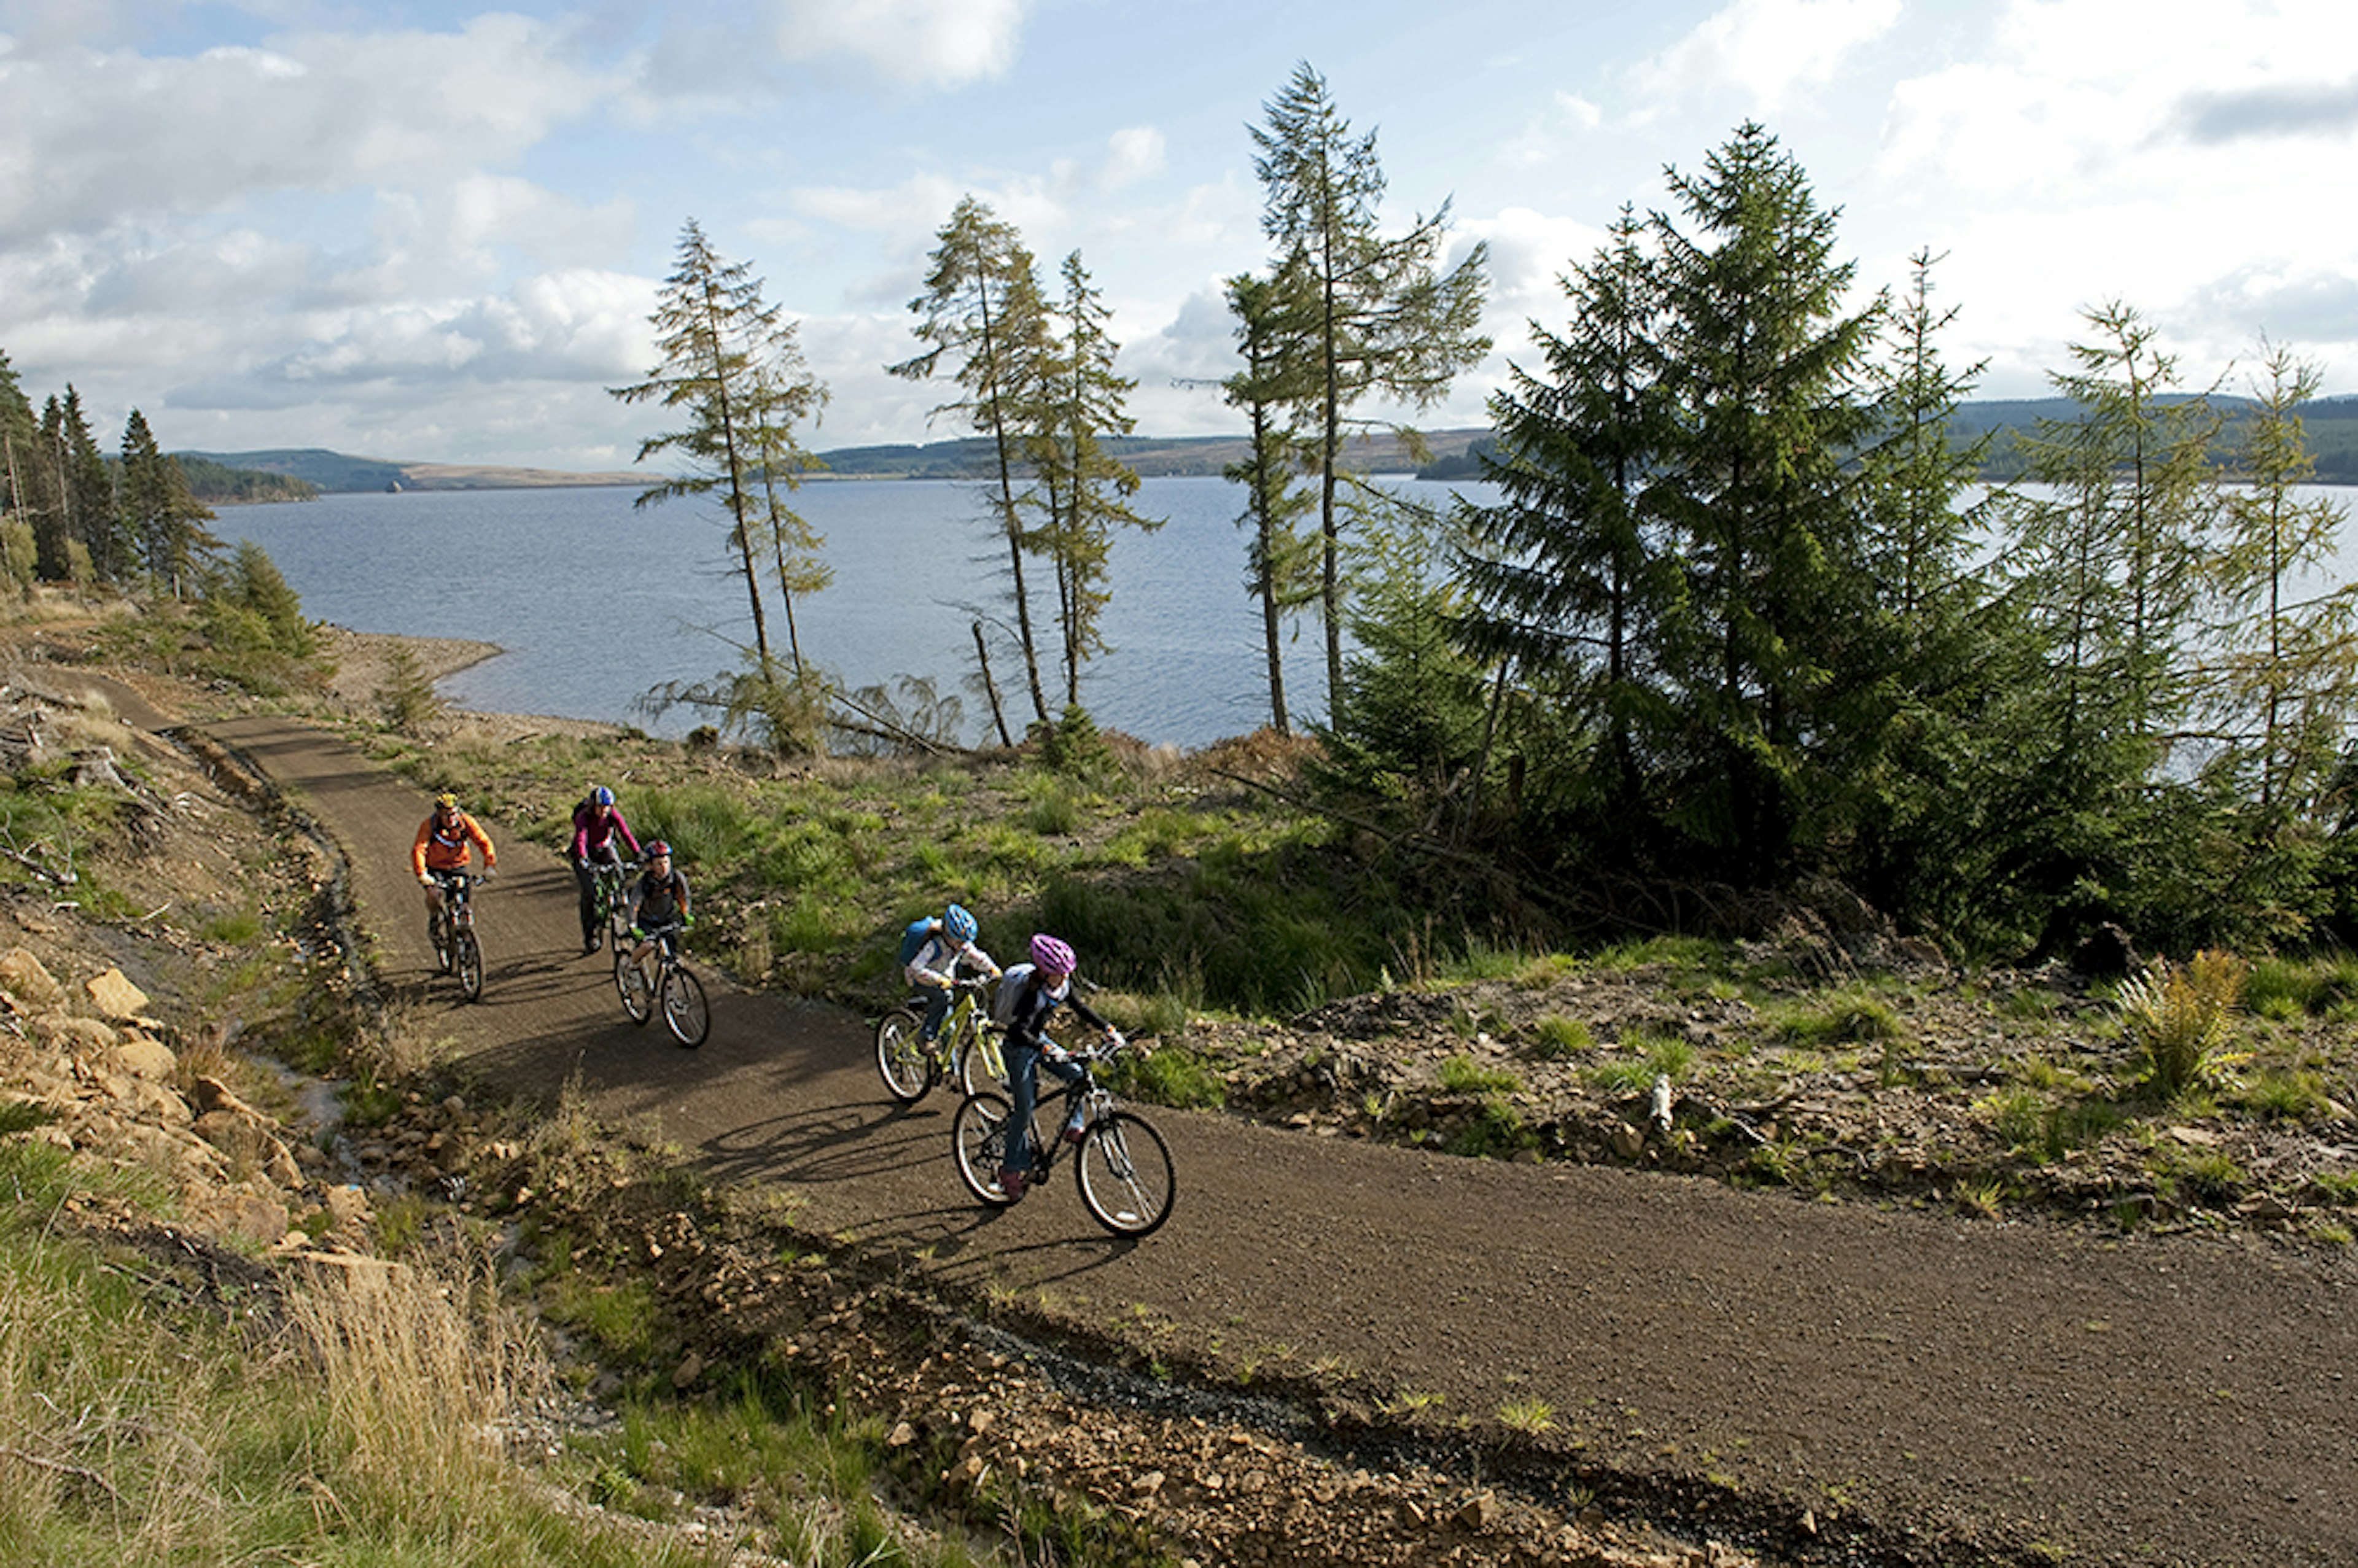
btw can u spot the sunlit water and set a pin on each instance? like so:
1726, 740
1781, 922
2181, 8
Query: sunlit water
596, 602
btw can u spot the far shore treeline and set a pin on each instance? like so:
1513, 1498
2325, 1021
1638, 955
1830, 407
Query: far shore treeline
1756, 599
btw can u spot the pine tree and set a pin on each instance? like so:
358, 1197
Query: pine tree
1383, 320
982, 309
158, 513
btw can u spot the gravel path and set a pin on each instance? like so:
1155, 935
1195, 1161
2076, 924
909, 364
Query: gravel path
1922, 1388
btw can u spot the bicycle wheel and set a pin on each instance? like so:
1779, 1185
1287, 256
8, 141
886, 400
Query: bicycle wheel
467, 957
978, 1051
1127, 1179
979, 1134
901, 1060
631, 984
683, 1009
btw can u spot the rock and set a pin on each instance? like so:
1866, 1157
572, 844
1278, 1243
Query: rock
244, 1213
149, 1059
1627, 1141
348, 1207
80, 1035
1480, 1512
116, 996
684, 1375
24, 976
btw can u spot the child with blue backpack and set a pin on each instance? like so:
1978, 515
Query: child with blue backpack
931, 952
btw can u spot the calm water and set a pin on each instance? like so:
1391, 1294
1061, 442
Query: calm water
596, 602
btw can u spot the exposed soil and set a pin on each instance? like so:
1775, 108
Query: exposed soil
1347, 1349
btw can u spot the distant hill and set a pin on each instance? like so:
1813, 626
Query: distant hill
2332, 424
219, 484
1153, 457
328, 470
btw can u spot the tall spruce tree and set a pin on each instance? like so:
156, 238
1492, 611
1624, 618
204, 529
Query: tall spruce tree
1384, 321
165, 522
85, 491
27, 479
1567, 576
982, 309
1765, 355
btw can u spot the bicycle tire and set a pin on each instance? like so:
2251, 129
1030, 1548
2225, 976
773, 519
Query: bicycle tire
686, 1012
978, 1137
1128, 1183
905, 1066
975, 1053
467, 958
630, 985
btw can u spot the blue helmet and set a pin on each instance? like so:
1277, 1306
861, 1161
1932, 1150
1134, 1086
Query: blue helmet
959, 924
601, 795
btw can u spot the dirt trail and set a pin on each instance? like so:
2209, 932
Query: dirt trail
2153, 1401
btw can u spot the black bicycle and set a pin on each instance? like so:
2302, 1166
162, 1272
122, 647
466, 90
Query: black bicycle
1127, 1180
451, 930
610, 902
655, 979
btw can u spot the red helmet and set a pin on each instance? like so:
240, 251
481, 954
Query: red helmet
1051, 957
658, 850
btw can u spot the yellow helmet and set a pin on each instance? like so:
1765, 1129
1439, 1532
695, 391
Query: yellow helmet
446, 801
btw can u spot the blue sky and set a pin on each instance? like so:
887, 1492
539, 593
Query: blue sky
433, 231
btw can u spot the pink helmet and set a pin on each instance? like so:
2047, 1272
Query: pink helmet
1051, 957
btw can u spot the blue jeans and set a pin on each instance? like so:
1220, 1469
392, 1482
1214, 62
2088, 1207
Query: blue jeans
1024, 1064
937, 1007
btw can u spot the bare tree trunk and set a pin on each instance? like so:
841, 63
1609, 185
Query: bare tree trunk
990, 687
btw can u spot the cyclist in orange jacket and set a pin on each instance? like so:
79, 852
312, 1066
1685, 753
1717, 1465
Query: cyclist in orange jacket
443, 846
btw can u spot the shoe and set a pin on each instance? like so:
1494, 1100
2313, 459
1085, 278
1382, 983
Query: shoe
1072, 1133
1012, 1183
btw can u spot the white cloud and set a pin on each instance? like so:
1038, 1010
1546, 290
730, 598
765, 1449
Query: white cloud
919, 43
97, 139
1767, 49
1132, 154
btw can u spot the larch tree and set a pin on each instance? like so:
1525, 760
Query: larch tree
1384, 321
1280, 568
714, 329
784, 394
982, 310
2282, 689
1087, 490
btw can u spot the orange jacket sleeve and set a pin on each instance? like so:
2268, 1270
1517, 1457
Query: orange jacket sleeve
418, 851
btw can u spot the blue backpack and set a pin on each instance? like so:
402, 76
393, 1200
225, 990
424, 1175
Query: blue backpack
914, 939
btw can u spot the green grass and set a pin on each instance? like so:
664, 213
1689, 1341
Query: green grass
1462, 1075
1557, 1038
1843, 1018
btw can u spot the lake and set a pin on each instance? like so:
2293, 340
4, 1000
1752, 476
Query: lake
596, 602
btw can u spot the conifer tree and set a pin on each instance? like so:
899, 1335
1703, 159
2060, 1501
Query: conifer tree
1566, 574
982, 309
1383, 320
1086, 489
2283, 688
166, 522
1280, 569
784, 394
1766, 358
715, 333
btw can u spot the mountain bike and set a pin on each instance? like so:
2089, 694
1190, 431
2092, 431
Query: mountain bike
610, 900
1127, 1180
451, 930
656, 980
966, 1049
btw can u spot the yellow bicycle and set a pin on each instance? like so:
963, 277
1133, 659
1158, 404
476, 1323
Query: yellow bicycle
967, 1048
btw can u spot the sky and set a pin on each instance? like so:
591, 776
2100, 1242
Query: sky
434, 232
